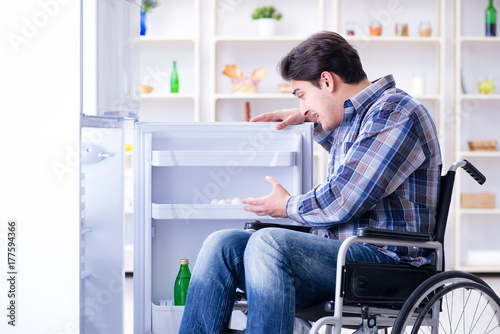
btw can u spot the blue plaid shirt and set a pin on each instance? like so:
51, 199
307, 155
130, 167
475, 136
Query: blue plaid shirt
383, 171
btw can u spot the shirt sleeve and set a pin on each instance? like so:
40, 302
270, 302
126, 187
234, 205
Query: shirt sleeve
385, 153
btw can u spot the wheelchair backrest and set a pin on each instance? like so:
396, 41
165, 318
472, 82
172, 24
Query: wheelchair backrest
445, 192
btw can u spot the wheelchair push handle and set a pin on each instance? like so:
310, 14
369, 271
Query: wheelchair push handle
474, 172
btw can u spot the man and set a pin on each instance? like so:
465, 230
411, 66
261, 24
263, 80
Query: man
383, 171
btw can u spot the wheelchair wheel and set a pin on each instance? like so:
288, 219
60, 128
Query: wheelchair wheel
450, 302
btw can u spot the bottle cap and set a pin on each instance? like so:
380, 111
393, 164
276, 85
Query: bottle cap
184, 261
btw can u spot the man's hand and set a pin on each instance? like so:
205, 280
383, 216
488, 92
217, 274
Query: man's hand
273, 205
285, 116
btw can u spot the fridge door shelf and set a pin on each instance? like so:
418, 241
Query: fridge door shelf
202, 211
223, 158
166, 319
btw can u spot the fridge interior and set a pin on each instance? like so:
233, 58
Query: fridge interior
183, 173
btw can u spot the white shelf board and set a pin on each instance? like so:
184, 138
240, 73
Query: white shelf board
291, 96
480, 154
393, 39
480, 211
166, 39
491, 97
479, 39
275, 38
223, 158
176, 96
201, 211
254, 96
493, 268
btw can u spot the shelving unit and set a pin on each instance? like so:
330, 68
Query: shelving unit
390, 54
235, 41
171, 37
476, 117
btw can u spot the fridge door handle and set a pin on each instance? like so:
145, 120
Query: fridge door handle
91, 154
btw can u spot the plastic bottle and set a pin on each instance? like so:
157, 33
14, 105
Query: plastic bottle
182, 283
174, 80
491, 20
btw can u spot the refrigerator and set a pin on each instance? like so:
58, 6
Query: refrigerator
189, 179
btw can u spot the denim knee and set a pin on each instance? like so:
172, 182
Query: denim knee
265, 241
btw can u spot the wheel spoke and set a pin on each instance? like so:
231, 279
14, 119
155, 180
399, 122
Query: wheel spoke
460, 304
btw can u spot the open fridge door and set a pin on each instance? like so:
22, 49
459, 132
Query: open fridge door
188, 179
110, 99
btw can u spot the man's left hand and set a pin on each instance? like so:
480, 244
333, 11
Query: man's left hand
273, 205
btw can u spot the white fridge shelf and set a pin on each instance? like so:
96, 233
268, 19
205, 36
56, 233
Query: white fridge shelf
202, 211
223, 158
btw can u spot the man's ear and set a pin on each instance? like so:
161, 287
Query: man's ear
327, 81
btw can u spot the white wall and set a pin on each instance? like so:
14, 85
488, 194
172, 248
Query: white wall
39, 166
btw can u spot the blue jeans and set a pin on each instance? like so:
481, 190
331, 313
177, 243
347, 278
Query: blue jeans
279, 270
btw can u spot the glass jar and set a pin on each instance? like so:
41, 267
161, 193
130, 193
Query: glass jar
425, 29
375, 28
401, 29
350, 27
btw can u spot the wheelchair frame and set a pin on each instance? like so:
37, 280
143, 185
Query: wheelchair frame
369, 318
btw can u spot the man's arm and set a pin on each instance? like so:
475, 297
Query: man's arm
378, 162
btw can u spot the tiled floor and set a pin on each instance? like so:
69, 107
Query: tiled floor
492, 280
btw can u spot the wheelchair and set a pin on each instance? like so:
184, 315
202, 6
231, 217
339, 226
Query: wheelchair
373, 298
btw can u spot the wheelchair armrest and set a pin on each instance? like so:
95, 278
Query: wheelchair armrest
257, 225
371, 232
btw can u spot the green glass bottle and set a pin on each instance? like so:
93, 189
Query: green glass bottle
182, 283
174, 80
491, 20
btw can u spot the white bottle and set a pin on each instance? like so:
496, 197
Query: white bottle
418, 84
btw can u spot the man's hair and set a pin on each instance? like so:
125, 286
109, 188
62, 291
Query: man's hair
323, 51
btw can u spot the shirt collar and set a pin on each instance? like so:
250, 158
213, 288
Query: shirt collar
364, 99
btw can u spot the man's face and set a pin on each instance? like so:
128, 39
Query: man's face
319, 103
